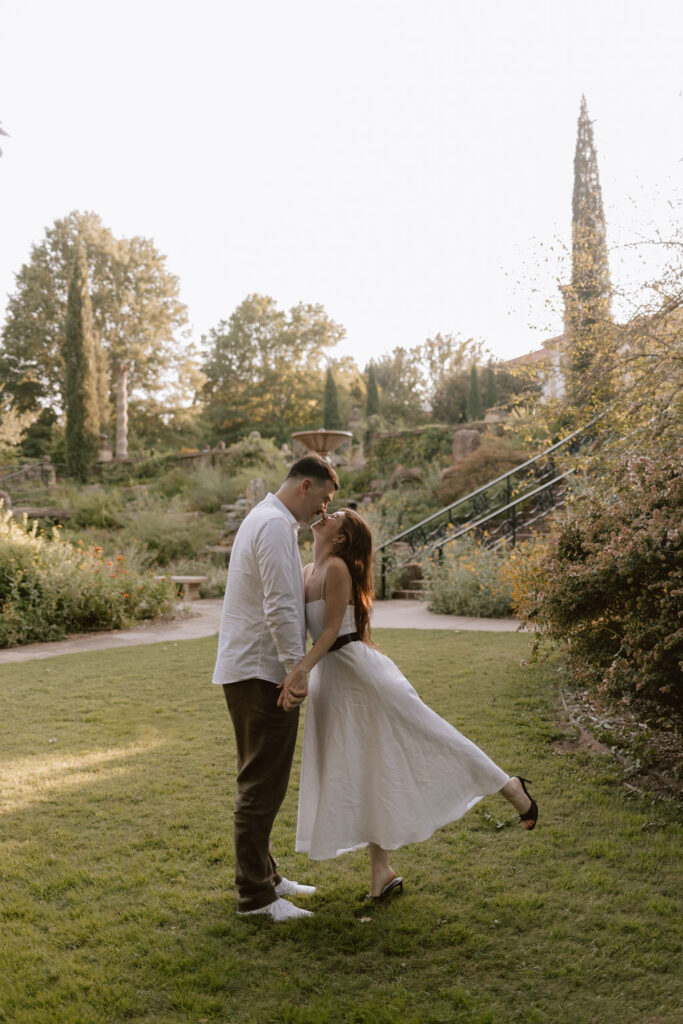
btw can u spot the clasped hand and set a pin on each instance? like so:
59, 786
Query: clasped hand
293, 690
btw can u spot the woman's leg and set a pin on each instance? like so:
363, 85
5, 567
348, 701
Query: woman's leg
514, 791
381, 871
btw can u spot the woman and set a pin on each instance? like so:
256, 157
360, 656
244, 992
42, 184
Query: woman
379, 767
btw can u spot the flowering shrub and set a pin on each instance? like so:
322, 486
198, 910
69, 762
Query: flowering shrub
49, 587
612, 584
523, 569
469, 580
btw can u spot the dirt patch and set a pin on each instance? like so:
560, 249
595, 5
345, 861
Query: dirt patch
577, 740
652, 758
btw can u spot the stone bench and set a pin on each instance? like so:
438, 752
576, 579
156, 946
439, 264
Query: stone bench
190, 584
33, 512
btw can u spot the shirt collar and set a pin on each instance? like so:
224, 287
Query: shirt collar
273, 499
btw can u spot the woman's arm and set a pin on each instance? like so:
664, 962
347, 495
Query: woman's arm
338, 593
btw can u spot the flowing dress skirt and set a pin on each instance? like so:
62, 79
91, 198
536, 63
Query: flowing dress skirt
378, 764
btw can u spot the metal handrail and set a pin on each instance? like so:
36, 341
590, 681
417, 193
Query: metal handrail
492, 513
31, 465
19, 472
480, 490
475, 524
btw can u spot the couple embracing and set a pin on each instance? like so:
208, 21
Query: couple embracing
379, 768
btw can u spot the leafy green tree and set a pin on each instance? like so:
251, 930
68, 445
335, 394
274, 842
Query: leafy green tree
82, 416
399, 377
441, 357
588, 296
331, 418
37, 438
491, 396
372, 397
449, 403
475, 409
13, 426
137, 318
351, 387
265, 369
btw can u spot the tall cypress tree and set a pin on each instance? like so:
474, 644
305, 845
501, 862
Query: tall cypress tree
372, 400
82, 417
475, 409
491, 396
587, 298
331, 417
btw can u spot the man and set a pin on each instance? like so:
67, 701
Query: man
262, 638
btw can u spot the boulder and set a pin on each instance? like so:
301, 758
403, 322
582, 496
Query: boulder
464, 443
406, 474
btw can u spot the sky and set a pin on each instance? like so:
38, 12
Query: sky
408, 164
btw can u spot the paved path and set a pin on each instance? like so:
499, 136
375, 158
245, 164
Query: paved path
204, 617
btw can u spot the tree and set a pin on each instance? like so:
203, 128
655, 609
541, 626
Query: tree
13, 426
491, 396
82, 416
351, 387
372, 398
450, 401
441, 357
137, 316
265, 368
331, 418
449, 404
475, 409
588, 296
400, 379
38, 438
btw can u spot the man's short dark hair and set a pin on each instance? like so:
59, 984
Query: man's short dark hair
315, 467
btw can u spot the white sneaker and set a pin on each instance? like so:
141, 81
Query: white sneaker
287, 888
281, 910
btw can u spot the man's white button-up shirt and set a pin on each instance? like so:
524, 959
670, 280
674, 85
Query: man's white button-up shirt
263, 627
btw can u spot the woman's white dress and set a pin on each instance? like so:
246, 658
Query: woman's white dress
378, 764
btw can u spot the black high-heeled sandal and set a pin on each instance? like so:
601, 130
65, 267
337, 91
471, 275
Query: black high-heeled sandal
395, 886
532, 814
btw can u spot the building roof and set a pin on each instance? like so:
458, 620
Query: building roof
538, 356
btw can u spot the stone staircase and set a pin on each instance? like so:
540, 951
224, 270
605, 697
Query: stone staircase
412, 586
510, 508
234, 514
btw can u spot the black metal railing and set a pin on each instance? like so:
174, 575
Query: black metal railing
31, 472
506, 504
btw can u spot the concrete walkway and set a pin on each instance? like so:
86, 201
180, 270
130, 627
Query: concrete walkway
203, 619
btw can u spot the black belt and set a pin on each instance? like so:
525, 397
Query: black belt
341, 641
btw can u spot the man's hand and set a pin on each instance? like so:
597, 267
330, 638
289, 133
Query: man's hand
293, 690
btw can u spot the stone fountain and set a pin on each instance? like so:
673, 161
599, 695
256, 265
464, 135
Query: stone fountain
322, 441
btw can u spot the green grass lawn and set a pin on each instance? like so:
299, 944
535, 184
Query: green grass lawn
116, 864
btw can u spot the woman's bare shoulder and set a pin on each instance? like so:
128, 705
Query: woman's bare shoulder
338, 567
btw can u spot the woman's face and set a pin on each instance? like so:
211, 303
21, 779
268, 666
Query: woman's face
328, 527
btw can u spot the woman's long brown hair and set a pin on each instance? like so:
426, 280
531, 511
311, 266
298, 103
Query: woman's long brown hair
356, 551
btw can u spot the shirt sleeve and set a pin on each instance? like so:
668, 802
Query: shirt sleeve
282, 588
